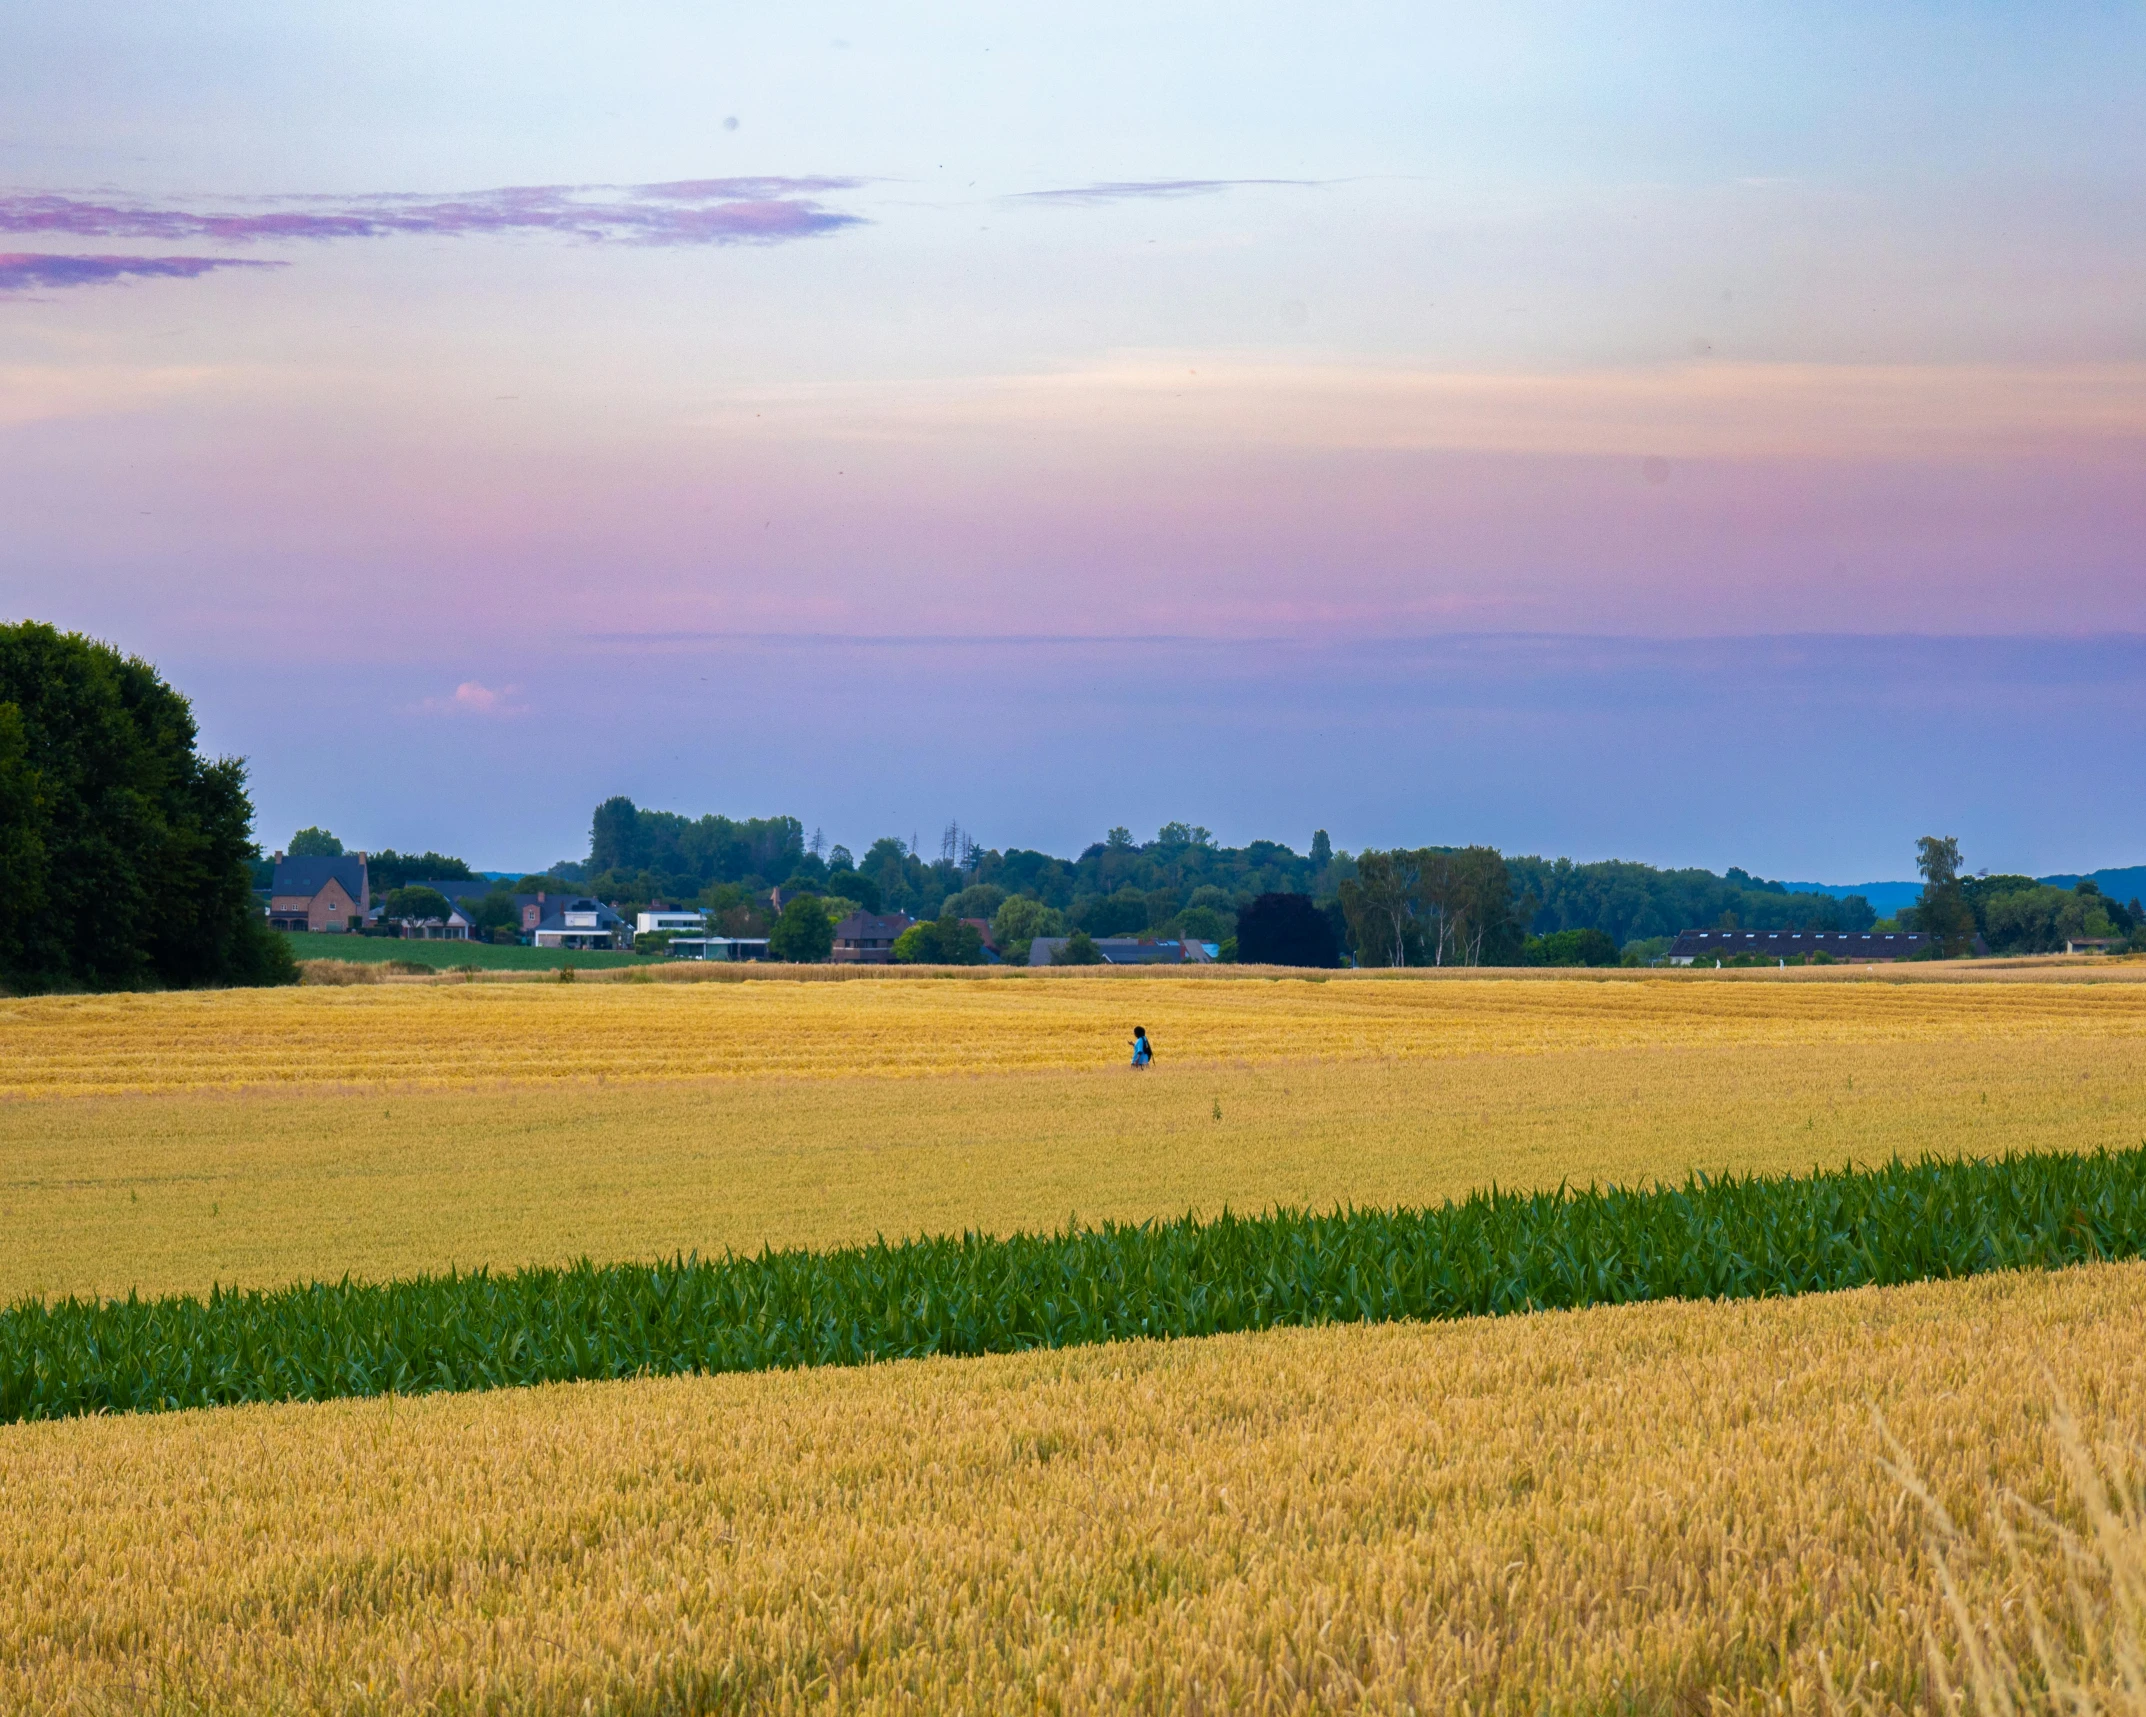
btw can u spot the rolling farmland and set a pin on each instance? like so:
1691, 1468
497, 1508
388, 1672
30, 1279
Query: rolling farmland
1638, 1507
1650, 1501
1380, 1099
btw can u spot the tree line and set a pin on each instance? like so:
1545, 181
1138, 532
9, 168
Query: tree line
1424, 906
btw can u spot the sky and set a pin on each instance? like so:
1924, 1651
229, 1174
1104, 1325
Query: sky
1706, 435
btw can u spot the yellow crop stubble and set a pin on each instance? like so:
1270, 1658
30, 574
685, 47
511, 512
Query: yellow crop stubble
1637, 1506
463, 1034
178, 1189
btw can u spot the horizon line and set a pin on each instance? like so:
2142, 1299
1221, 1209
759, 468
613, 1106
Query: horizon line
1217, 640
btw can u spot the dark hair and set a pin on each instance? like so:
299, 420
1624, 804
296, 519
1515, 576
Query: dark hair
1140, 1031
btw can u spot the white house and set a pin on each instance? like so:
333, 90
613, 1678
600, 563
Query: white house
678, 922
719, 947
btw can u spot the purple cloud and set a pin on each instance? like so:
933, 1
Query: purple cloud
1121, 190
685, 211
25, 271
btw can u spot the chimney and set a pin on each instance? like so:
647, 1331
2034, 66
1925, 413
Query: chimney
278, 859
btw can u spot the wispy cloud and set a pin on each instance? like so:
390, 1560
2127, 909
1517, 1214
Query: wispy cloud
472, 698
30, 271
680, 212
1126, 190
1666, 413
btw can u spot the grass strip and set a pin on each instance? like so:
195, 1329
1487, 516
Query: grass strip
1495, 1252
444, 955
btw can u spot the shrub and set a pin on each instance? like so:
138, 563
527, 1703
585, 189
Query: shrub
804, 933
414, 905
944, 941
1570, 948
1080, 950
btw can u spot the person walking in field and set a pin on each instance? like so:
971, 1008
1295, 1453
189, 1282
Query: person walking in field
1143, 1051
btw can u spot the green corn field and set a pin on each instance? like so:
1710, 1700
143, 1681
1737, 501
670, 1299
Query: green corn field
1493, 1253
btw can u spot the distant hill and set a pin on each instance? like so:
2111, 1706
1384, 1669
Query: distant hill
2126, 884
1886, 898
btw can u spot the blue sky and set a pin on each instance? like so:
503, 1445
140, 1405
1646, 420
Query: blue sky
886, 415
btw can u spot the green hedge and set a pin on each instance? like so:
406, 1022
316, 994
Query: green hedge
1493, 1253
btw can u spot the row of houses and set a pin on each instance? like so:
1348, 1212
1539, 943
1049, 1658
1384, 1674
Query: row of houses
335, 894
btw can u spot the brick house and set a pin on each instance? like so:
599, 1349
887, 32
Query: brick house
319, 893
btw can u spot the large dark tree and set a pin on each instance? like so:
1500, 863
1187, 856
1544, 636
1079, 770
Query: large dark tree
1286, 930
125, 856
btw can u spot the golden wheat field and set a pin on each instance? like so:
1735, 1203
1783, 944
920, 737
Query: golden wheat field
1382, 1093
175, 1192
436, 1034
1670, 1508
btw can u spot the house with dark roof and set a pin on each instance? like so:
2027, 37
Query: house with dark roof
319, 893
457, 926
1846, 946
867, 938
579, 922
532, 909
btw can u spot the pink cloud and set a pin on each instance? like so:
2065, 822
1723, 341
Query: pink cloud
685, 211
25, 271
473, 698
